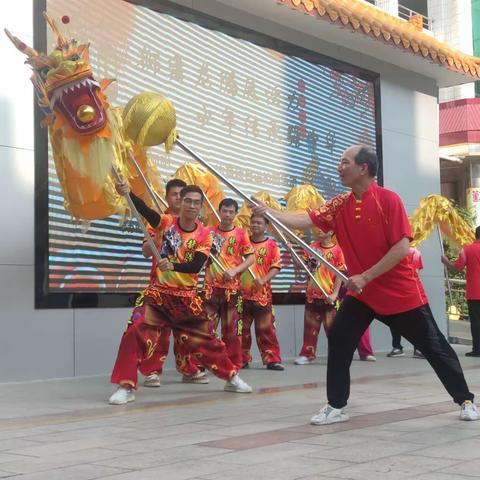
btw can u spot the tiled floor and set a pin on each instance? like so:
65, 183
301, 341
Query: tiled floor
403, 426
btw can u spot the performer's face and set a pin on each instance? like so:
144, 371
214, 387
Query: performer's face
258, 225
349, 171
324, 236
174, 200
227, 214
191, 205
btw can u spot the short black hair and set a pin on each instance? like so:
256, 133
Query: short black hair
367, 156
191, 189
477, 233
174, 182
267, 221
228, 202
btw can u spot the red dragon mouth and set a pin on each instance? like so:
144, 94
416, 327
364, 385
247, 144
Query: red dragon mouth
80, 105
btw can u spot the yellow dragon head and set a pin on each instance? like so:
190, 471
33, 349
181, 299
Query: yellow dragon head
64, 82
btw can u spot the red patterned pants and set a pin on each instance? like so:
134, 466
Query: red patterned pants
264, 321
316, 313
154, 363
191, 331
225, 307
319, 312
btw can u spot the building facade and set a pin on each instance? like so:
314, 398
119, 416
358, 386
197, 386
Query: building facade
67, 342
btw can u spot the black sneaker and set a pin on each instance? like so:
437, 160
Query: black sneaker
396, 352
418, 354
246, 365
275, 366
472, 354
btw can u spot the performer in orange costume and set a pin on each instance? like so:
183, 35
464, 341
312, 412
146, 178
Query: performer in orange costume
257, 297
171, 300
222, 299
152, 366
318, 309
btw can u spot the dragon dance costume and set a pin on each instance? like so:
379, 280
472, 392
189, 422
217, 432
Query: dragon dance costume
171, 300
223, 302
257, 304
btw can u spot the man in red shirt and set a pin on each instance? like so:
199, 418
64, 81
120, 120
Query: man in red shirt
171, 300
222, 288
257, 297
152, 365
373, 232
469, 257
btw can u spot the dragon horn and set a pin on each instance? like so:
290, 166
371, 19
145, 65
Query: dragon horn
62, 42
23, 47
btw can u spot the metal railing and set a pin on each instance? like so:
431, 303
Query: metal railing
407, 14
458, 288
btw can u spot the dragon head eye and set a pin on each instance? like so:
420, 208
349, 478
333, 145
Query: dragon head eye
43, 72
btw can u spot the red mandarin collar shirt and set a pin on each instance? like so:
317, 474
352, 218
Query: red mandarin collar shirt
366, 229
470, 257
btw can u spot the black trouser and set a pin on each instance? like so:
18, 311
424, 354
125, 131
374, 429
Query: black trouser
417, 326
474, 314
396, 339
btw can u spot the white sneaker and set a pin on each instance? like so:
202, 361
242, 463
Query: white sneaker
303, 360
199, 377
152, 380
368, 358
237, 385
329, 415
122, 396
469, 411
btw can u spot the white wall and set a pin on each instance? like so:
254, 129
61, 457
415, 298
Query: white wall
452, 23
37, 344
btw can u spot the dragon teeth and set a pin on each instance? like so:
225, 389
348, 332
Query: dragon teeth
58, 94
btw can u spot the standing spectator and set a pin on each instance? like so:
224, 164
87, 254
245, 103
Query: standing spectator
469, 257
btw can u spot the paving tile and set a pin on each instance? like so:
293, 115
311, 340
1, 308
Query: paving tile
251, 428
256, 440
318, 477
272, 452
6, 457
439, 435
366, 451
13, 443
422, 423
471, 469
152, 459
339, 439
6, 474
23, 465
441, 476
76, 472
287, 469
173, 441
395, 467
176, 471
462, 450
41, 450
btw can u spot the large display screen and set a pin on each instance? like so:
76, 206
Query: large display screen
269, 116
